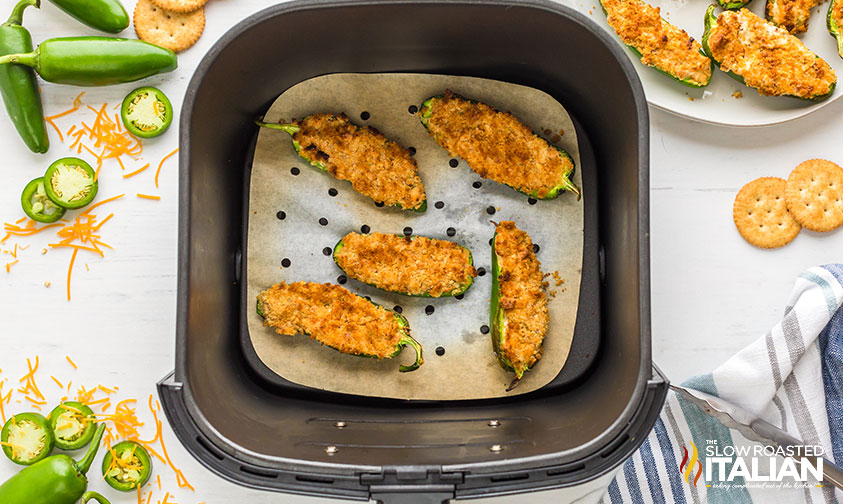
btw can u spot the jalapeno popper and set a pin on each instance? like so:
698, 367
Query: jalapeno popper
337, 318
765, 57
518, 311
659, 44
792, 15
834, 22
411, 265
497, 146
376, 166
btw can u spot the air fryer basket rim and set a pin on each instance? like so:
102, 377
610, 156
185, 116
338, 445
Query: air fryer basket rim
187, 418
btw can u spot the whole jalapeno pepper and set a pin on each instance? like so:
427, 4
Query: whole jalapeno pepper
104, 15
18, 85
95, 61
55, 480
27, 438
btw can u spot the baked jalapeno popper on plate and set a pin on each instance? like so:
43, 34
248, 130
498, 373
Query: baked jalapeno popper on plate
765, 57
659, 44
834, 22
518, 312
337, 318
792, 15
376, 166
497, 146
411, 265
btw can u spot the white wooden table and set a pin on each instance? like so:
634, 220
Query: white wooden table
711, 292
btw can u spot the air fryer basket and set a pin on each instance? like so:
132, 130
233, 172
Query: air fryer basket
252, 428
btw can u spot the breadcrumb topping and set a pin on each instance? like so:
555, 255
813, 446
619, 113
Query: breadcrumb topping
767, 57
496, 145
661, 44
333, 316
837, 14
792, 15
522, 297
376, 166
411, 265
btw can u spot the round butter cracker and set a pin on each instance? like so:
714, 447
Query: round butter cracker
815, 195
761, 215
181, 6
171, 30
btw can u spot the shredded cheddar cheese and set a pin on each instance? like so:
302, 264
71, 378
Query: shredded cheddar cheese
158, 171
122, 424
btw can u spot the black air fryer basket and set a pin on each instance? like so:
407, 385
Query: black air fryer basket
247, 425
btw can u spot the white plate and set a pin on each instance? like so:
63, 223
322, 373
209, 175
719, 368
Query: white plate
715, 103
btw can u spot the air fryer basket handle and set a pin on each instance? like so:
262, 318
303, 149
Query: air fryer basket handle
398, 496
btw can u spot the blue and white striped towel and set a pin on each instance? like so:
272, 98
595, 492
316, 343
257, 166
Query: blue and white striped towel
791, 377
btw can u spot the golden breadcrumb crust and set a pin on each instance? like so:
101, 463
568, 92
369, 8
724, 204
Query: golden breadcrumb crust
792, 15
837, 14
767, 57
522, 296
661, 44
412, 265
497, 145
333, 316
376, 166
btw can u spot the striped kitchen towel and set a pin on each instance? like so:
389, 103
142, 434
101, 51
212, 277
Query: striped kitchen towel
791, 377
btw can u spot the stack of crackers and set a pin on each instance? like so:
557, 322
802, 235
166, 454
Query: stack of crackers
174, 24
769, 212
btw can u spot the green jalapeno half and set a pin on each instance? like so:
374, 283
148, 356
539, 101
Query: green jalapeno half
126, 466
27, 438
71, 182
147, 112
37, 205
72, 424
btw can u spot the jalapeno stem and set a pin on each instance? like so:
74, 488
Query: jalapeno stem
93, 495
29, 59
17, 13
85, 464
292, 129
408, 340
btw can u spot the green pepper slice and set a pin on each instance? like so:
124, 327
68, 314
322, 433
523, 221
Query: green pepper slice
126, 466
72, 424
71, 183
27, 438
147, 112
37, 205
834, 23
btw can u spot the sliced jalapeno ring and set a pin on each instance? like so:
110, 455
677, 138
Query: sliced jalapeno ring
126, 466
73, 425
27, 438
71, 183
147, 112
37, 205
